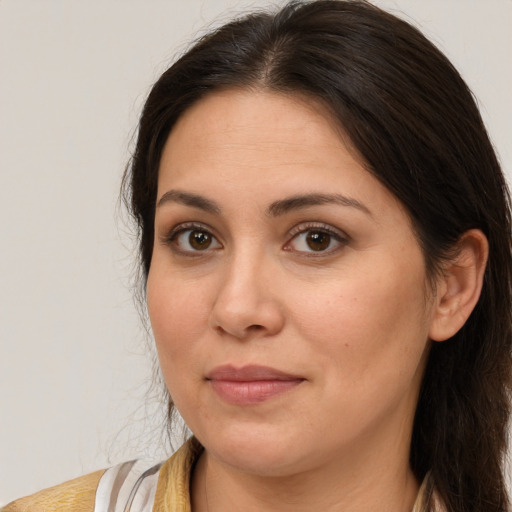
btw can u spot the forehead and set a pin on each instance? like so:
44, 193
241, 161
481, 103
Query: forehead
238, 111
259, 144
257, 128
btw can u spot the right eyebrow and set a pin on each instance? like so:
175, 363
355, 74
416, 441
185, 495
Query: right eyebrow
188, 199
306, 200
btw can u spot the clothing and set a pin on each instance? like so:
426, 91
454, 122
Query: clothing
135, 487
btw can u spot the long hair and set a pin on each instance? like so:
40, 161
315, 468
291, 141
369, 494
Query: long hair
410, 115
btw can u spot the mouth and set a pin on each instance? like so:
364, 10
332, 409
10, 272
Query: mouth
250, 385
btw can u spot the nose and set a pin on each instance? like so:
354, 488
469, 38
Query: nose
247, 305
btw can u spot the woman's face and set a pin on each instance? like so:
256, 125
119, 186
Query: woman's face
287, 291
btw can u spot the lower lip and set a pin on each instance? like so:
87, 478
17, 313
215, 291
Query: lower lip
252, 392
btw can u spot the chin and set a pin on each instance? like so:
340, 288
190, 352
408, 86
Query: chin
258, 450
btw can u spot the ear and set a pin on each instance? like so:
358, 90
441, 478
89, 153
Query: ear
459, 287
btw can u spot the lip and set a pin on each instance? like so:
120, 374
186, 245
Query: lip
250, 385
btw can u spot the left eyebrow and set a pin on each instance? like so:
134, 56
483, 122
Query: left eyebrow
298, 202
188, 199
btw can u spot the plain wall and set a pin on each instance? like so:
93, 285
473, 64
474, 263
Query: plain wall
74, 363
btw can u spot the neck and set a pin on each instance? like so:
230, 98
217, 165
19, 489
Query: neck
384, 484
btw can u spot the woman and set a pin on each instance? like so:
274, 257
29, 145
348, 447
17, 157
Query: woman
325, 250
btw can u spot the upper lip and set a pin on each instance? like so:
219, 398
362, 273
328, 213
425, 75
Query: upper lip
249, 373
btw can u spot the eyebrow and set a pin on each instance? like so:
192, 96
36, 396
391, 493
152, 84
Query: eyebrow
303, 201
188, 199
276, 209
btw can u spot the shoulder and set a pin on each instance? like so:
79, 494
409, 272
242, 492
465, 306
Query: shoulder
77, 495
136, 485
126, 486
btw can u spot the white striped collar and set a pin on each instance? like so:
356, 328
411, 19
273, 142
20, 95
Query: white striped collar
127, 487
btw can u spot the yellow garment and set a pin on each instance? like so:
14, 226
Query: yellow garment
172, 492
76, 495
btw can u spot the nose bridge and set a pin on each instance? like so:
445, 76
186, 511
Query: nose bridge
246, 266
245, 302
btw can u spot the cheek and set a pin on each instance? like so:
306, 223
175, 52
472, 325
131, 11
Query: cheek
178, 320
368, 324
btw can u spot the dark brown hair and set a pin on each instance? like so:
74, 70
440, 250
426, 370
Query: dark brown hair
412, 118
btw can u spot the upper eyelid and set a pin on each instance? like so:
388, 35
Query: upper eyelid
318, 226
185, 226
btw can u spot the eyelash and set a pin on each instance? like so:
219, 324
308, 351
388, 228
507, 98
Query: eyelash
340, 238
182, 229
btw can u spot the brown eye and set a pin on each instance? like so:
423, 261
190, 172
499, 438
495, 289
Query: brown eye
318, 240
199, 240
194, 240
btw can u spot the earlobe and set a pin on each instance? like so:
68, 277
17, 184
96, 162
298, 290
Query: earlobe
458, 289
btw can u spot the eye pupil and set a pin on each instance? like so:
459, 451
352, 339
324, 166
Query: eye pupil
318, 241
200, 240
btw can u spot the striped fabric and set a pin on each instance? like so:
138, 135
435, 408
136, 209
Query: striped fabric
127, 487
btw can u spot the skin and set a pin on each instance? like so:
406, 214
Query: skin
353, 321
